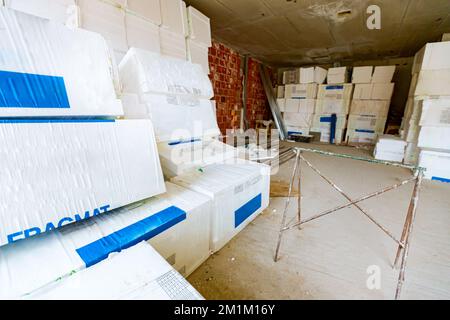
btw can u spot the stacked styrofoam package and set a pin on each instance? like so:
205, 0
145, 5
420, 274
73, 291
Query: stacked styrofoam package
390, 148
333, 99
67, 163
426, 124
297, 101
370, 104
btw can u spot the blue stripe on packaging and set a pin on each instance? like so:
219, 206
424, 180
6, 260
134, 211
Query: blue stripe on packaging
325, 119
241, 214
364, 131
440, 179
27, 90
45, 120
129, 236
174, 143
339, 87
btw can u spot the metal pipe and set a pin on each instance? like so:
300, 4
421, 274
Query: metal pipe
415, 201
283, 220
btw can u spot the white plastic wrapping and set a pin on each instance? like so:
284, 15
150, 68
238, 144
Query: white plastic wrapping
143, 72
138, 273
47, 69
239, 190
58, 172
177, 224
437, 164
175, 118
180, 158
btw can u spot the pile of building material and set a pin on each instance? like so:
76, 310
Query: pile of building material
426, 123
101, 189
332, 106
390, 148
370, 104
297, 98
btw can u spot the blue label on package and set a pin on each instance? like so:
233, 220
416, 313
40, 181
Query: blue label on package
241, 214
26, 90
129, 236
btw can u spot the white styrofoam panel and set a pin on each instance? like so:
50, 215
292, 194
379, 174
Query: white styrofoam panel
142, 33
172, 16
173, 44
147, 9
61, 11
198, 54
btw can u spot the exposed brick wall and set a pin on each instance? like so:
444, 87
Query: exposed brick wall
257, 104
226, 76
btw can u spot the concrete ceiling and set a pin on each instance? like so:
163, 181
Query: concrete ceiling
298, 32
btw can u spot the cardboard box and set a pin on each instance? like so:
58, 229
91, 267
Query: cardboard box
300, 105
301, 91
342, 92
53, 71
141, 33
362, 74
325, 135
437, 165
79, 168
185, 156
370, 123
298, 119
149, 10
383, 74
239, 191
199, 27
330, 106
313, 75
143, 72
377, 108
363, 92
435, 113
196, 53
434, 138
337, 75
138, 273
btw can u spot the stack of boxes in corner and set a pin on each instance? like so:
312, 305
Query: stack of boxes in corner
332, 106
426, 124
300, 93
370, 104
198, 39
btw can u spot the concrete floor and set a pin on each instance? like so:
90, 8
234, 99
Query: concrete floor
329, 257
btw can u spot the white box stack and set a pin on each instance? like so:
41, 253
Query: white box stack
299, 106
332, 99
390, 148
370, 104
426, 123
82, 162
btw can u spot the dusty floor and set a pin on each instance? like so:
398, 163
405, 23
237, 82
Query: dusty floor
329, 257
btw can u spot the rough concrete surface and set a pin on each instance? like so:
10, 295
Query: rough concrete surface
328, 258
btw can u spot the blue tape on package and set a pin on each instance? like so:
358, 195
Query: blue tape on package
440, 179
241, 214
37, 120
129, 236
299, 98
340, 87
174, 143
294, 132
325, 119
364, 131
26, 90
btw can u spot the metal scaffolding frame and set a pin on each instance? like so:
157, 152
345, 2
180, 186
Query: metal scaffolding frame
403, 242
